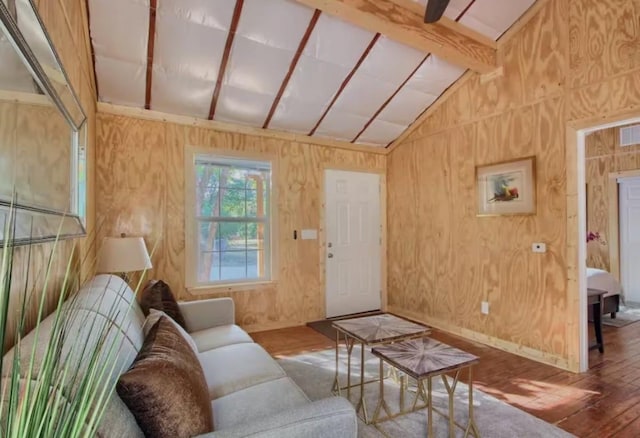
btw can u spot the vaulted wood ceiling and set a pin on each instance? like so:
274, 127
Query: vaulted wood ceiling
360, 71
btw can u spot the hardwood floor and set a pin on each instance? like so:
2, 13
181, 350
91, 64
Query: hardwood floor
603, 402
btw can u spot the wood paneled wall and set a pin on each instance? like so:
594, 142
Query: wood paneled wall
603, 157
575, 62
140, 191
66, 23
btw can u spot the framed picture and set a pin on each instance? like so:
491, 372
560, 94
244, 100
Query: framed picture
507, 188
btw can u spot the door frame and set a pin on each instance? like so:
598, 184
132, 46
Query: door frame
577, 336
322, 236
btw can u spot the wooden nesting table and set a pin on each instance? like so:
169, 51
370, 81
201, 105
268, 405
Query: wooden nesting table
422, 359
370, 331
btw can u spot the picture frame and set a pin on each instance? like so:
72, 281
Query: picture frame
507, 188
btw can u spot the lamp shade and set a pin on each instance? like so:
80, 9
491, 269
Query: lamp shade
123, 254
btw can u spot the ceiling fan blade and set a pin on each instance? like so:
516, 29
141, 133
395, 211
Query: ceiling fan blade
435, 9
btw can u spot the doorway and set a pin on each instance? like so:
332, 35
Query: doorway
599, 166
629, 216
353, 242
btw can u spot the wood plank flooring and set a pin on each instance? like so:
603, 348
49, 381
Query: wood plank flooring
603, 402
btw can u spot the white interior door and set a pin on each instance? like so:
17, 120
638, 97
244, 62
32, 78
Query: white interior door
353, 242
630, 238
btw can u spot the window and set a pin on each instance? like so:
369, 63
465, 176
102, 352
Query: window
231, 234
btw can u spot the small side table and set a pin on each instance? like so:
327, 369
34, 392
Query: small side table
423, 359
595, 298
369, 331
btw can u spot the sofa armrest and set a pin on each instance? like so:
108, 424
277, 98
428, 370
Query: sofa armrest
204, 314
332, 417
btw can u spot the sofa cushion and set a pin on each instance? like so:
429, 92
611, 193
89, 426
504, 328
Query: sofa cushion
261, 400
155, 315
165, 388
236, 367
220, 336
157, 295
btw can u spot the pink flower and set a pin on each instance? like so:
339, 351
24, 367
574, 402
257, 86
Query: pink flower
593, 236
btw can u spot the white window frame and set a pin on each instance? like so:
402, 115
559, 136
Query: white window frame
192, 154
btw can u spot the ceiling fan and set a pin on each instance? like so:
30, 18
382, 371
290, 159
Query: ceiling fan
435, 9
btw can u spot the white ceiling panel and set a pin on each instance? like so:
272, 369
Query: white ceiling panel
256, 67
391, 61
121, 82
341, 125
332, 51
337, 42
181, 94
381, 133
242, 106
406, 106
364, 95
435, 76
275, 23
381, 74
297, 116
120, 29
315, 81
189, 48
213, 14
493, 17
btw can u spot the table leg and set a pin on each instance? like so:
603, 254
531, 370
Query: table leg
382, 403
429, 409
471, 427
336, 380
362, 403
349, 349
597, 322
451, 388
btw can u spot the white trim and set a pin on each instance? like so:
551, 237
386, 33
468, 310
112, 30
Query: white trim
582, 253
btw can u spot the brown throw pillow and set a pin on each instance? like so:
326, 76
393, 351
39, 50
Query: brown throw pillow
165, 388
157, 295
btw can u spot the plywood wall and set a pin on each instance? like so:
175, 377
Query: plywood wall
574, 61
65, 21
140, 191
604, 156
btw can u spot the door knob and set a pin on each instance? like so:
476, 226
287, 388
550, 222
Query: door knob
330, 255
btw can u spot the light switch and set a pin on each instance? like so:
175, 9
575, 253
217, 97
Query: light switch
539, 247
309, 234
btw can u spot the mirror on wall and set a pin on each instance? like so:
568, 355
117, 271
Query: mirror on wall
42, 134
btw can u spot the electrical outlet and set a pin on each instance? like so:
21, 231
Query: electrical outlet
539, 247
484, 307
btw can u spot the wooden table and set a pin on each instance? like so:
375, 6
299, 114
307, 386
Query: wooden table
368, 331
423, 359
595, 298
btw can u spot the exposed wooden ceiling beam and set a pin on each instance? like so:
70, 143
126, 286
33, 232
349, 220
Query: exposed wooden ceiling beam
235, 19
150, 44
346, 81
454, 25
405, 25
292, 66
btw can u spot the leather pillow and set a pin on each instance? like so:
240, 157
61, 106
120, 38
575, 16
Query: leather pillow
165, 388
157, 295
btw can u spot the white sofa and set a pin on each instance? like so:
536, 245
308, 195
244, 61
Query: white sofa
250, 393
